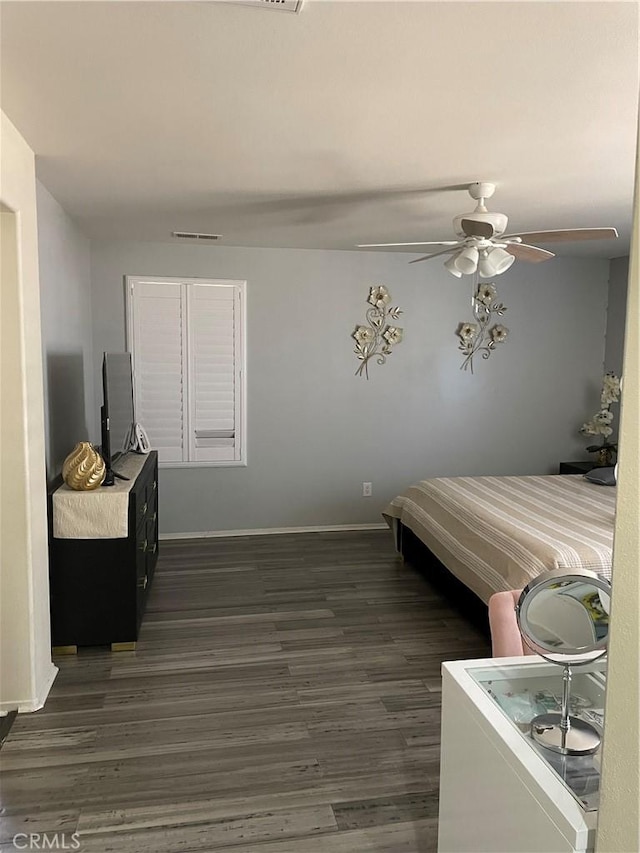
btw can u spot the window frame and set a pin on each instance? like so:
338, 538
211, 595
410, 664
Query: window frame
240, 286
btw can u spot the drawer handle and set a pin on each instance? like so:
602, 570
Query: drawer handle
153, 548
143, 511
143, 583
143, 546
154, 517
155, 485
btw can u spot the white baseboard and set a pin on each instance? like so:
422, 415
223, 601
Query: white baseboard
268, 531
26, 706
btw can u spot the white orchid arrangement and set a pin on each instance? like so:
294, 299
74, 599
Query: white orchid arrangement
600, 423
378, 338
477, 338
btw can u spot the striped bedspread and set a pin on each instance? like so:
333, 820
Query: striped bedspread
496, 533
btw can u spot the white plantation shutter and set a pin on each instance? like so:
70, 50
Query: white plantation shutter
212, 373
156, 313
186, 340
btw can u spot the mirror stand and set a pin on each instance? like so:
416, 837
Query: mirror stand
560, 732
564, 617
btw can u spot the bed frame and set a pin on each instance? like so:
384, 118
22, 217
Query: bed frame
420, 557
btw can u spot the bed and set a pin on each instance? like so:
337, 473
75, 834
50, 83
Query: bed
496, 533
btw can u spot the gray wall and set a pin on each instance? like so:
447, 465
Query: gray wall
616, 314
316, 431
67, 333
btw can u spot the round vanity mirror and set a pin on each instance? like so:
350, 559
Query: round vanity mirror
564, 617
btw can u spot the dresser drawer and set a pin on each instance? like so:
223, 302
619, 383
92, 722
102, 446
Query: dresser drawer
145, 498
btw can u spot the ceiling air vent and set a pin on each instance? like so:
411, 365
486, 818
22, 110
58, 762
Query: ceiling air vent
194, 235
284, 5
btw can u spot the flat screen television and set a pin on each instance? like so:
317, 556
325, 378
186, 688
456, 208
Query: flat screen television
117, 415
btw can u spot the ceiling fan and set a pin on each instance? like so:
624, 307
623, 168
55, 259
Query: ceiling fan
483, 247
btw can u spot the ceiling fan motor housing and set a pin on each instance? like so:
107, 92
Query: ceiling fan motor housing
498, 220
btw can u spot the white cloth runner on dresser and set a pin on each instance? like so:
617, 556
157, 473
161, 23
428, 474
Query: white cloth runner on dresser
99, 514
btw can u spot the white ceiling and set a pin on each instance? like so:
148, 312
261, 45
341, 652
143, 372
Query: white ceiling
298, 130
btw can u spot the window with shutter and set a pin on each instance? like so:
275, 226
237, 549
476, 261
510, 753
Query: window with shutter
186, 337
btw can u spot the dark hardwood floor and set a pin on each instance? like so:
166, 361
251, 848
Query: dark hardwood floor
284, 698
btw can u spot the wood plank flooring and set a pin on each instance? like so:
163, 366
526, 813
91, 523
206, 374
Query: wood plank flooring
284, 698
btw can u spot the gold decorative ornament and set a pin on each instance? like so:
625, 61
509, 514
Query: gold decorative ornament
84, 468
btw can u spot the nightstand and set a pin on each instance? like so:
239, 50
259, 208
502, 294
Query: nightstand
576, 467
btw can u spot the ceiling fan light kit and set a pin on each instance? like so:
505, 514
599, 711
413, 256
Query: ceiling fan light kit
496, 262
485, 267
450, 265
466, 261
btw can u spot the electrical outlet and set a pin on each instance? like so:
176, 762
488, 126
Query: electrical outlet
367, 490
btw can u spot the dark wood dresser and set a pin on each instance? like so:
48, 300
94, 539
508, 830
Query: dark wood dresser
99, 587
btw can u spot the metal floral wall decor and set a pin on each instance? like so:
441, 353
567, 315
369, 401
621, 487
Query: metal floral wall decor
378, 338
480, 337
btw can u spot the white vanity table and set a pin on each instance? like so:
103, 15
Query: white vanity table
500, 792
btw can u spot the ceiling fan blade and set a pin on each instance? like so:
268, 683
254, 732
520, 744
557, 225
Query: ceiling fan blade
474, 228
524, 252
435, 255
572, 235
322, 206
428, 243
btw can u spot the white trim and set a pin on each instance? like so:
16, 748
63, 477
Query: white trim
183, 279
25, 636
241, 370
188, 409
268, 531
26, 706
186, 368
